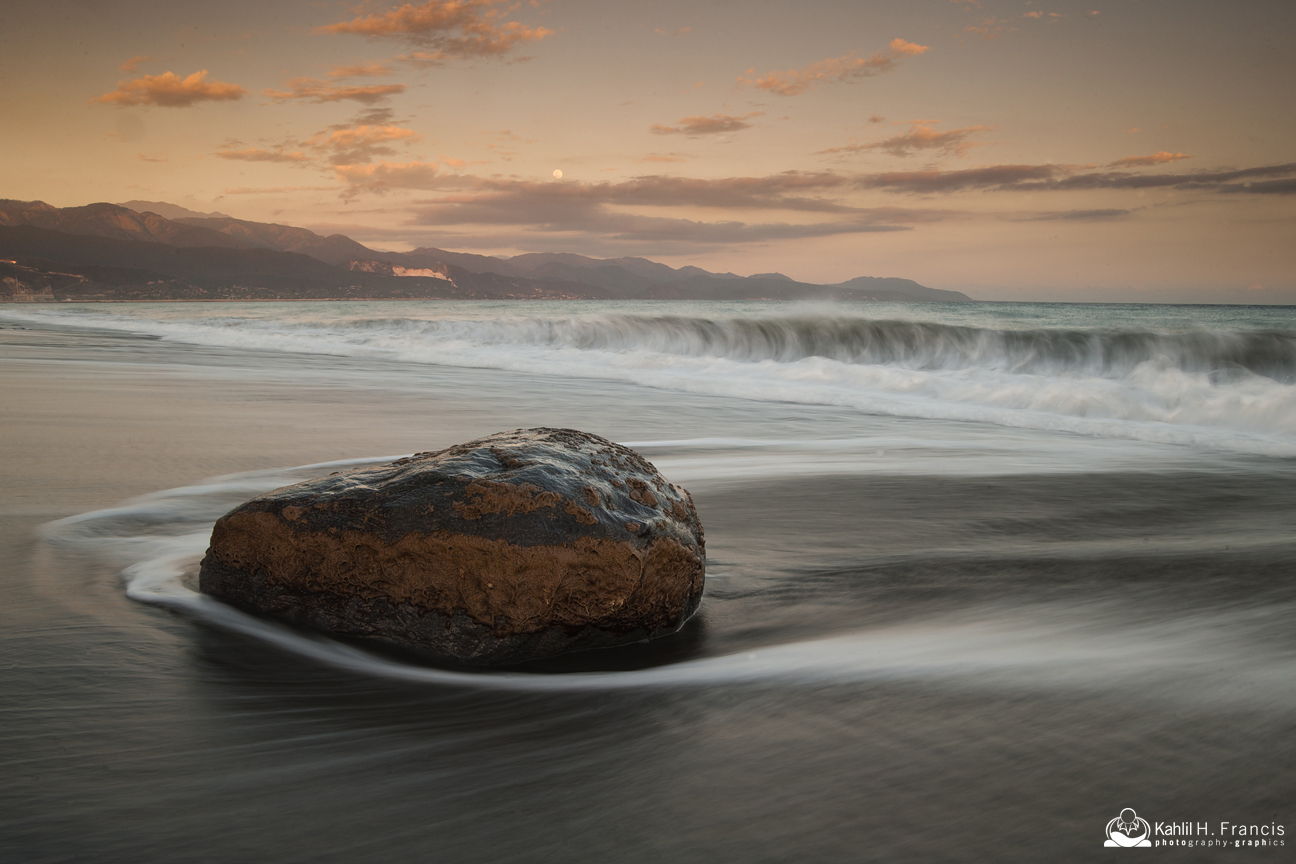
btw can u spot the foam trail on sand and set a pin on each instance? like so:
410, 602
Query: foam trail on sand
1209, 658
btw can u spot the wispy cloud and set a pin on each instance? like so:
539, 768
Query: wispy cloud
835, 69
1159, 158
784, 191
132, 65
592, 209
911, 49
369, 117
1260, 180
361, 144
989, 28
446, 29
709, 124
169, 90
383, 177
1074, 216
316, 90
277, 190
368, 70
933, 182
254, 154
921, 136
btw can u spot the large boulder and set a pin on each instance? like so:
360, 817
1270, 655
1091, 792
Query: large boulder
515, 546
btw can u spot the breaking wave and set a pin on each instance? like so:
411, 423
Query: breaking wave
908, 344
1103, 371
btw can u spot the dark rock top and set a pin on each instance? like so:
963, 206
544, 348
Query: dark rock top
513, 546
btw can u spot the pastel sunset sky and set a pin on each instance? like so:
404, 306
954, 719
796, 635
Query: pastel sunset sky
1140, 150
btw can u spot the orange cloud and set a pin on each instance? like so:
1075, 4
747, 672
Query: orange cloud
1158, 158
921, 136
362, 143
840, 69
990, 28
451, 28
315, 90
252, 154
133, 63
710, 124
1035, 14
371, 70
386, 176
169, 90
900, 46
653, 157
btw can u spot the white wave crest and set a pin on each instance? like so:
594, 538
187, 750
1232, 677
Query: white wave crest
1226, 389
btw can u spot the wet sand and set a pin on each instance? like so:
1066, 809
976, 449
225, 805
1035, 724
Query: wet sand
134, 734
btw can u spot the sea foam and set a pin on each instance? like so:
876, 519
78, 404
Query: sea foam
1211, 385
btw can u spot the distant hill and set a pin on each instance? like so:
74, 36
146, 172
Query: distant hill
85, 267
168, 211
109, 220
334, 249
110, 251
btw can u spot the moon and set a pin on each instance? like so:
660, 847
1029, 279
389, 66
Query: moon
557, 173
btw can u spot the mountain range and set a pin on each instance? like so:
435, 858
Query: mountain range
151, 250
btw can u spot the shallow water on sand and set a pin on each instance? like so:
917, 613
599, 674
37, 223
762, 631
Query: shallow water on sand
922, 639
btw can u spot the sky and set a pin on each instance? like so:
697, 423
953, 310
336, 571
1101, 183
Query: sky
1105, 150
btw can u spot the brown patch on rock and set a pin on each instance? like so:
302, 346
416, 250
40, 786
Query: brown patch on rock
592, 497
589, 582
509, 461
641, 492
504, 498
582, 515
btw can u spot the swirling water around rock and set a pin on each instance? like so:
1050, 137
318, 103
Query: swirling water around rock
159, 539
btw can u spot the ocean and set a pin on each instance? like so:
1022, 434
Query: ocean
979, 576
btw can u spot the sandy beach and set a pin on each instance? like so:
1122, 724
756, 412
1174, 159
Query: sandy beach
920, 639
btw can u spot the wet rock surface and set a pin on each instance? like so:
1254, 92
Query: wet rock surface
512, 547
